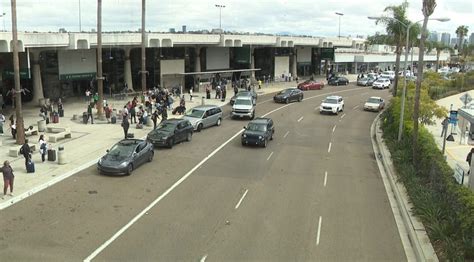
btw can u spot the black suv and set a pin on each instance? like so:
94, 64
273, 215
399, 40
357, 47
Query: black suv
258, 132
170, 132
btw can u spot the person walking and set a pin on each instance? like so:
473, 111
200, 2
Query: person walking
108, 112
236, 89
224, 93
8, 178
164, 114
154, 118
25, 150
2, 122
88, 96
444, 126
125, 125
133, 112
13, 129
43, 147
89, 114
469, 158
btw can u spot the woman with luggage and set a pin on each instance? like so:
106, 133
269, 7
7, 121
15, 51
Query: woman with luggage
43, 147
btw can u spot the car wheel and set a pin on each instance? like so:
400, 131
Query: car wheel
129, 169
271, 136
199, 127
342, 108
253, 115
287, 101
243, 143
300, 98
337, 112
150, 158
170, 143
265, 143
189, 137
218, 122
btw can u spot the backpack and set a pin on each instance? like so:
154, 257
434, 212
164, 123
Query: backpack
43, 146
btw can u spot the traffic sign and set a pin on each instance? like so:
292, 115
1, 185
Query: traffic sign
466, 98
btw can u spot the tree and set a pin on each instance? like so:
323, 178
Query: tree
428, 9
461, 32
439, 47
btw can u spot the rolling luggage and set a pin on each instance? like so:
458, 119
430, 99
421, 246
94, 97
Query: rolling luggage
130, 135
113, 120
55, 118
51, 155
30, 166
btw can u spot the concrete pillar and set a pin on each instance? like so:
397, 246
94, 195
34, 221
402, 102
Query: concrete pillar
252, 63
37, 82
128, 69
356, 70
293, 65
197, 62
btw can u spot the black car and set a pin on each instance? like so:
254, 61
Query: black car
338, 80
288, 95
125, 156
258, 132
253, 94
171, 132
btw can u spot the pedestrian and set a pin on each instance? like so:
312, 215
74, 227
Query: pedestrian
25, 150
43, 147
191, 94
224, 93
88, 96
208, 92
89, 113
154, 118
469, 157
170, 101
125, 125
236, 90
259, 84
108, 112
218, 92
96, 99
133, 112
444, 126
2, 121
8, 178
13, 129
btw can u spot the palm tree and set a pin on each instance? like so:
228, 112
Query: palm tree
397, 31
439, 47
461, 32
428, 9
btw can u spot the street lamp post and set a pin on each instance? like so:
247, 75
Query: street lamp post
402, 109
80, 17
220, 15
339, 14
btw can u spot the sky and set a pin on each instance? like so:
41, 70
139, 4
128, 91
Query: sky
299, 17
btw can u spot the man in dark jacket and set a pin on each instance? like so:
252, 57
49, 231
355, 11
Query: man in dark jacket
25, 150
89, 113
469, 158
125, 125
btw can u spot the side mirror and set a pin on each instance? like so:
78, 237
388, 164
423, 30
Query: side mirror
107, 150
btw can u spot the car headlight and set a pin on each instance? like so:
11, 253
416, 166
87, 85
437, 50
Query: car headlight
260, 137
100, 161
244, 135
164, 138
123, 164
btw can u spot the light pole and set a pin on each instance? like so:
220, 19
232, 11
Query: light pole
220, 15
3, 18
402, 109
339, 14
80, 17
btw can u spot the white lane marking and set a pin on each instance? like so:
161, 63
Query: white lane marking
287, 132
301, 118
325, 178
271, 154
156, 201
329, 148
203, 259
241, 199
319, 230
334, 128
343, 115
355, 107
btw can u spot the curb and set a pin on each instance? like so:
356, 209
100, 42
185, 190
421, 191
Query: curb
418, 238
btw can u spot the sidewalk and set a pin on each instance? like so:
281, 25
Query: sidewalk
88, 143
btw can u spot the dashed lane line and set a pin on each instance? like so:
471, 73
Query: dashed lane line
325, 178
319, 230
286, 134
301, 118
329, 148
271, 154
241, 199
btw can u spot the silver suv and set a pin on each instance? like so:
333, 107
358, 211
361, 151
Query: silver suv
204, 116
243, 107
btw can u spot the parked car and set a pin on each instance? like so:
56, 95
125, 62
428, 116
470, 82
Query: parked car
125, 156
243, 107
381, 83
258, 132
311, 85
170, 132
251, 93
332, 104
374, 103
373, 75
288, 95
365, 81
204, 116
388, 74
338, 80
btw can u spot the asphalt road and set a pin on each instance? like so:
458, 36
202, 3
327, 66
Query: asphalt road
314, 194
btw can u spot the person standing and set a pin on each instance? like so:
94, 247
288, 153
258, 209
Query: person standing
125, 125
469, 158
8, 178
133, 112
224, 93
13, 128
88, 96
108, 112
43, 148
89, 114
154, 118
25, 150
208, 92
444, 125
259, 84
236, 89
2, 121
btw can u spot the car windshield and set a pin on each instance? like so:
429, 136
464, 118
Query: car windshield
364, 79
257, 127
285, 92
166, 126
330, 101
122, 150
246, 102
197, 113
373, 100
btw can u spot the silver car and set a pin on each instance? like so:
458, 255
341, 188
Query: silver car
204, 116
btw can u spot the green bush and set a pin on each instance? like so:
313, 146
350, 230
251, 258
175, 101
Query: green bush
445, 208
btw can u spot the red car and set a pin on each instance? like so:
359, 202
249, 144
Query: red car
311, 85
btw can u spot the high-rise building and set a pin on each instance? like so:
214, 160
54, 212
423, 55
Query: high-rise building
445, 38
433, 36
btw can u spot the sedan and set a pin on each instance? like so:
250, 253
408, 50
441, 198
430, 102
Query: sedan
338, 80
311, 85
170, 132
288, 95
374, 103
365, 81
125, 156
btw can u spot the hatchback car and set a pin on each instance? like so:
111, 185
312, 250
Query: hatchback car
253, 94
170, 132
332, 104
381, 83
374, 103
288, 95
204, 116
125, 156
258, 132
338, 80
311, 85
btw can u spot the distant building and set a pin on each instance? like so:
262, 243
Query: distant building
446, 38
184, 29
172, 30
433, 36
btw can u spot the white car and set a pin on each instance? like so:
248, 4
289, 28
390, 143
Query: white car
389, 74
332, 104
381, 83
374, 103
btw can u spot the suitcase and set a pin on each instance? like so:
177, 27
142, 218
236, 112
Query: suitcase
113, 120
30, 167
130, 135
47, 120
51, 155
55, 118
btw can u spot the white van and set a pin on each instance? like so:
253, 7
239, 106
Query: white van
389, 74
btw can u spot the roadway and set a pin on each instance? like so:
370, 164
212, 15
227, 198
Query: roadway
314, 193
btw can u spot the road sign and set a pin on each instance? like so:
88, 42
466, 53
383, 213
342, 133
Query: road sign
453, 117
459, 174
466, 98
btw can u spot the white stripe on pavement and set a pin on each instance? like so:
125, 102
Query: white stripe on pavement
319, 230
203, 259
287, 132
301, 118
271, 154
241, 199
355, 107
334, 128
329, 148
325, 178
343, 116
